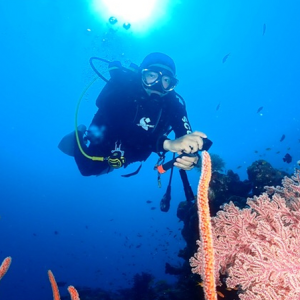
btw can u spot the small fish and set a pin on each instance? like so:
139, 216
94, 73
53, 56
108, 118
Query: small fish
148, 201
287, 158
56, 232
298, 162
238, 167
268, 149
260, 109
282, 138
220, 294
218, 106
225, 58
153, 208
264, 28
277, 152
255, 151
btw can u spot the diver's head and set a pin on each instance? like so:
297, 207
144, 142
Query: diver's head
158, 73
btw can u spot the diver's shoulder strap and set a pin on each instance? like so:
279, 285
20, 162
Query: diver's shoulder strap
117, 71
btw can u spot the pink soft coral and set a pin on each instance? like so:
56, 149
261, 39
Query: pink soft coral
258, 247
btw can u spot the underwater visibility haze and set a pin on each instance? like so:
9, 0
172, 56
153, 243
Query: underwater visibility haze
238, 67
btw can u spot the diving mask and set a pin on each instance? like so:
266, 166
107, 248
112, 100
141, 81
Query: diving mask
157, 79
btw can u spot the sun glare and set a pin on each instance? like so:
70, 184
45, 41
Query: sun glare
141, 15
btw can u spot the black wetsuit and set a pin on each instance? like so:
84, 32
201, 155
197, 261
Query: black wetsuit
133, 120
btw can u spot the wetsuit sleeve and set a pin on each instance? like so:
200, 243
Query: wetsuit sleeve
160, 143
180, 123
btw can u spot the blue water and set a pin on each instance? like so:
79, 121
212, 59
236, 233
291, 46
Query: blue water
86, 230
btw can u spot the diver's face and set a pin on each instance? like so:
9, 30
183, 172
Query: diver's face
152, 77
157, 82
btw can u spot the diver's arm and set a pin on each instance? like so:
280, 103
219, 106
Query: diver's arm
180, 122
186, 141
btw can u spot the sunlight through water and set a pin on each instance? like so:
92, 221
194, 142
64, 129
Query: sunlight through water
137, 15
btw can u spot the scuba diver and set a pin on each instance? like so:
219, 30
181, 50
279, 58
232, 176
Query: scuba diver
137, 109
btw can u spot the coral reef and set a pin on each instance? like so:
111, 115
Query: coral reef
217, 163
261, 171
223, 189
258, 247
228, 187
255, 240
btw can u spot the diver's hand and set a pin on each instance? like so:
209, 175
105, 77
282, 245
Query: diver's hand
189, 143
186, 162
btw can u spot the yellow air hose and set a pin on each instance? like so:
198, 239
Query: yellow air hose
96, 158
